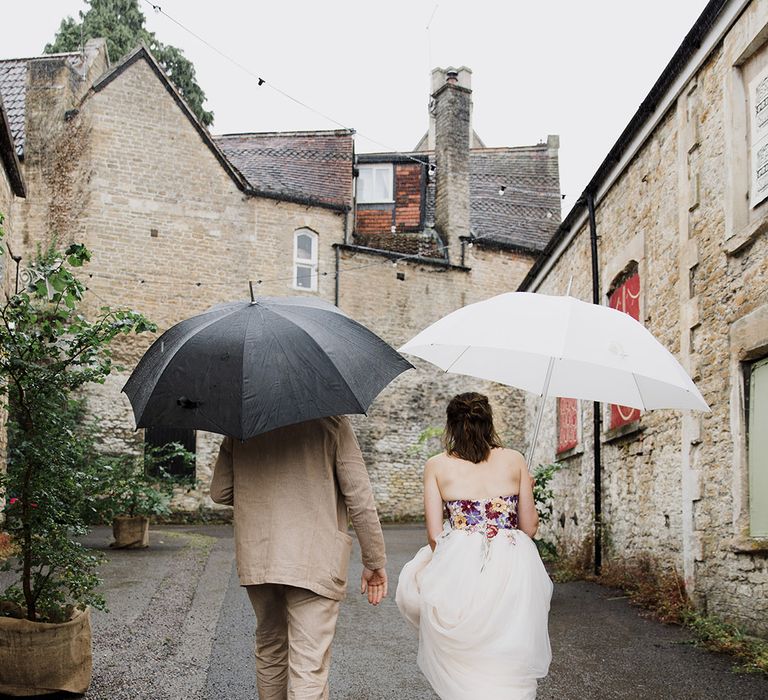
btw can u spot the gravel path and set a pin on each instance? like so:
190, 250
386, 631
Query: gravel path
181, 628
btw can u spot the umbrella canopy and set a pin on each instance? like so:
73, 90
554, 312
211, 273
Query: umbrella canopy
244, 368
558, 346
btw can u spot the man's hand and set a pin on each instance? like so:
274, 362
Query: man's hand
374, 583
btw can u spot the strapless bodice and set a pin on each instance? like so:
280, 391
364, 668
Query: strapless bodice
487, 515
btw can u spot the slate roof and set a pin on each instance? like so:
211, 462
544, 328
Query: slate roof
311, 166
8, 157
13, 89
526, 216
528, 213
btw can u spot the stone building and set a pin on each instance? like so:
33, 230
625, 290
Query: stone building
680, 216
12, 188
179, 220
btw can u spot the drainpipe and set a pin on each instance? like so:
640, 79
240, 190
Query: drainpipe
597, 422
336, 277
355, 172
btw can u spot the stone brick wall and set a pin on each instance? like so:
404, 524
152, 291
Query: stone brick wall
453, 115
674, 484
56, 146
171, 235
7, 270
396, 310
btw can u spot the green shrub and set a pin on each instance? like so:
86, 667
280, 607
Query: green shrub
49, 350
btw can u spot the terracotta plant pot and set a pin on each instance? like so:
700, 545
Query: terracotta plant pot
130, 532
39, 658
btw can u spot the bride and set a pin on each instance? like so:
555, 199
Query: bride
478, 593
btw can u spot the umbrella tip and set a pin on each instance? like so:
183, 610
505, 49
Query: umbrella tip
250, 286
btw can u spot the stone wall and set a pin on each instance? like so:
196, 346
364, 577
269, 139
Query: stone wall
8, 204
674, 484
172, 234
56, 147
396, 310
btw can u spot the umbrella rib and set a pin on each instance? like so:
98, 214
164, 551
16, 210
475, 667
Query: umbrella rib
317, 345
639, 393
461, 354
168, 357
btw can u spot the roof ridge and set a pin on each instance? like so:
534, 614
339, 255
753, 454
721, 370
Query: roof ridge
41, 57
485, 149
325, 132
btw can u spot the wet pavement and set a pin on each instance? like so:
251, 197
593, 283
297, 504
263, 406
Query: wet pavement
181, 628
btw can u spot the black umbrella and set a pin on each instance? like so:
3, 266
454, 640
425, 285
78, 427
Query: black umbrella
244, 368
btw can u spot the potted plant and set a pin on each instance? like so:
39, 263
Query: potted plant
130, 489
48, 350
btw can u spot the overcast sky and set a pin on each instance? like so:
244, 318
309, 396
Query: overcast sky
577, 69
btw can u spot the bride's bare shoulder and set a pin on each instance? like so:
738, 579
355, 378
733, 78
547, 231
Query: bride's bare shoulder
513, 457
435, 462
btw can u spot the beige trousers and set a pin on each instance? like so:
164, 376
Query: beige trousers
294, 632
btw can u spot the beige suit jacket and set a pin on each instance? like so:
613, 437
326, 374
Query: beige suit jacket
293, 490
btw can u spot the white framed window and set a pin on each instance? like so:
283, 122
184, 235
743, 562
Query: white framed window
305, 260
375, 183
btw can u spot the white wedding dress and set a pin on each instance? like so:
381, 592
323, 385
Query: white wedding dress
480, 603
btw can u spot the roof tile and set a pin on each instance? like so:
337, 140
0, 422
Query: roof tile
13, 88
527, 214
314, 165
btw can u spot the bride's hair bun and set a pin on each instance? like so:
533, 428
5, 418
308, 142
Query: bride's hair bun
469, 431
469, 406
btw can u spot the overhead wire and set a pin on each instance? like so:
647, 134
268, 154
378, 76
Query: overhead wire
392, 257
264, 82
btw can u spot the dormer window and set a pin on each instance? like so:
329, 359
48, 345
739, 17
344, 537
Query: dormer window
374, 183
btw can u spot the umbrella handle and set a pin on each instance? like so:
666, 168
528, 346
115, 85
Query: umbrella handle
539, 413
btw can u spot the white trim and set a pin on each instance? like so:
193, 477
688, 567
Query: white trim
723, 24
310, 262
373, 167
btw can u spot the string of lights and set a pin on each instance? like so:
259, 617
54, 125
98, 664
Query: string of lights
391, 261
261, 81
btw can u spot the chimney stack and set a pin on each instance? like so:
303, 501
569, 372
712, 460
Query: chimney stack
451, 111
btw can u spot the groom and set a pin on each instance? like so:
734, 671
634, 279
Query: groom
293, 490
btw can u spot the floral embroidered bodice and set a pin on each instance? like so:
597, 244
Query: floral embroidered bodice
488, 515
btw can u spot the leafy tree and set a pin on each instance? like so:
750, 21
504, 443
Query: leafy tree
121, 23
48, 350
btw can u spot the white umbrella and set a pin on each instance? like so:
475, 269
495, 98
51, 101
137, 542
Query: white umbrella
558, 346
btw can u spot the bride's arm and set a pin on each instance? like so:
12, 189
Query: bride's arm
433, 503
527, 516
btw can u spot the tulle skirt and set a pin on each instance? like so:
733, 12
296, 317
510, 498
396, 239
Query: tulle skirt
481, 608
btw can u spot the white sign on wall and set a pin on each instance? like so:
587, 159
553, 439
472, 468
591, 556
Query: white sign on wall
758, 116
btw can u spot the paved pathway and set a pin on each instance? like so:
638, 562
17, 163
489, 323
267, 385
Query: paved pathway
180, 628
